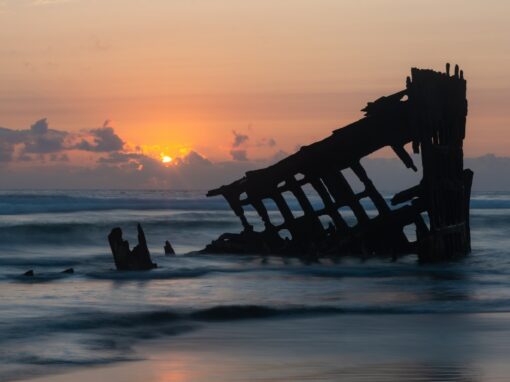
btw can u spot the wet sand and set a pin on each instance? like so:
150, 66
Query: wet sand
398, 347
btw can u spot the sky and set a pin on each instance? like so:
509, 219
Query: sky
107, 90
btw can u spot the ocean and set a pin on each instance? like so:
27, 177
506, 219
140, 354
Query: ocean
232, 318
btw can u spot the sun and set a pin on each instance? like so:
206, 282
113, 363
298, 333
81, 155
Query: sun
166, 159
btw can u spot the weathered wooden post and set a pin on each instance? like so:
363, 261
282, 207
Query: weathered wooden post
138, 259
438, 110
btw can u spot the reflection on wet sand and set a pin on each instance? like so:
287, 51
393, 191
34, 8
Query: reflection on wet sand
350, 348
175, 371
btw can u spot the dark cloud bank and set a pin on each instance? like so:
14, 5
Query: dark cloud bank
137, 171
46, 152
49, 168
39, 140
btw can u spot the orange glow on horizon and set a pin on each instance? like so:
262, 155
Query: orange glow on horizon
290, 79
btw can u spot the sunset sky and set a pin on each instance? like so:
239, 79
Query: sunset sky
228, 81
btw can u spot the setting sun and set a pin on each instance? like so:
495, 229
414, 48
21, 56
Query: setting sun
166, 159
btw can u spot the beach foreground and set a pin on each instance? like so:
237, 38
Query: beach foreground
417, 347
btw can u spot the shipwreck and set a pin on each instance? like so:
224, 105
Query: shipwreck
430, 113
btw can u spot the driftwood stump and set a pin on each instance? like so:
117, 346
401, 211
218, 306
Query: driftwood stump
139, 259
169, 250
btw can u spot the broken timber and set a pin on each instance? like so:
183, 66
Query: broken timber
138, 259
431, 114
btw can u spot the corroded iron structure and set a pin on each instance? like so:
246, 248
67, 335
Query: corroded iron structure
431, 114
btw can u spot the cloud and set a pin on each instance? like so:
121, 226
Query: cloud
128, 162
59, 158
114, 164
239, 155
136, 170
39, 139
103, 139
11, 136
192, 171
239, 147
236, 152
40, 127
24, 158
8, 139
267, 142
6, 151
18, 145
42, 140
239, 139
48, 150
119, 158
185, 171
192, 159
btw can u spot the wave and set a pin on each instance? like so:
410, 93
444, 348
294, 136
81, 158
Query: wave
108, 322
65, 228
153, 321
246, 312
61, 361
92, 229
42, 261
94, 233
100, 267
25, 202
490, 220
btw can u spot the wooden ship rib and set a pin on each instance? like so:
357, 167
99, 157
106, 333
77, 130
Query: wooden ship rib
431, 114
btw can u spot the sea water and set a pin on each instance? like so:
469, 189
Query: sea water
281, 319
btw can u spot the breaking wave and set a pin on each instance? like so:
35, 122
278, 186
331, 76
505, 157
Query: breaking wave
138, 324
25, 202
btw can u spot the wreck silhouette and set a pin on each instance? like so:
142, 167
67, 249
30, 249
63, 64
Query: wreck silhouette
431, 114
